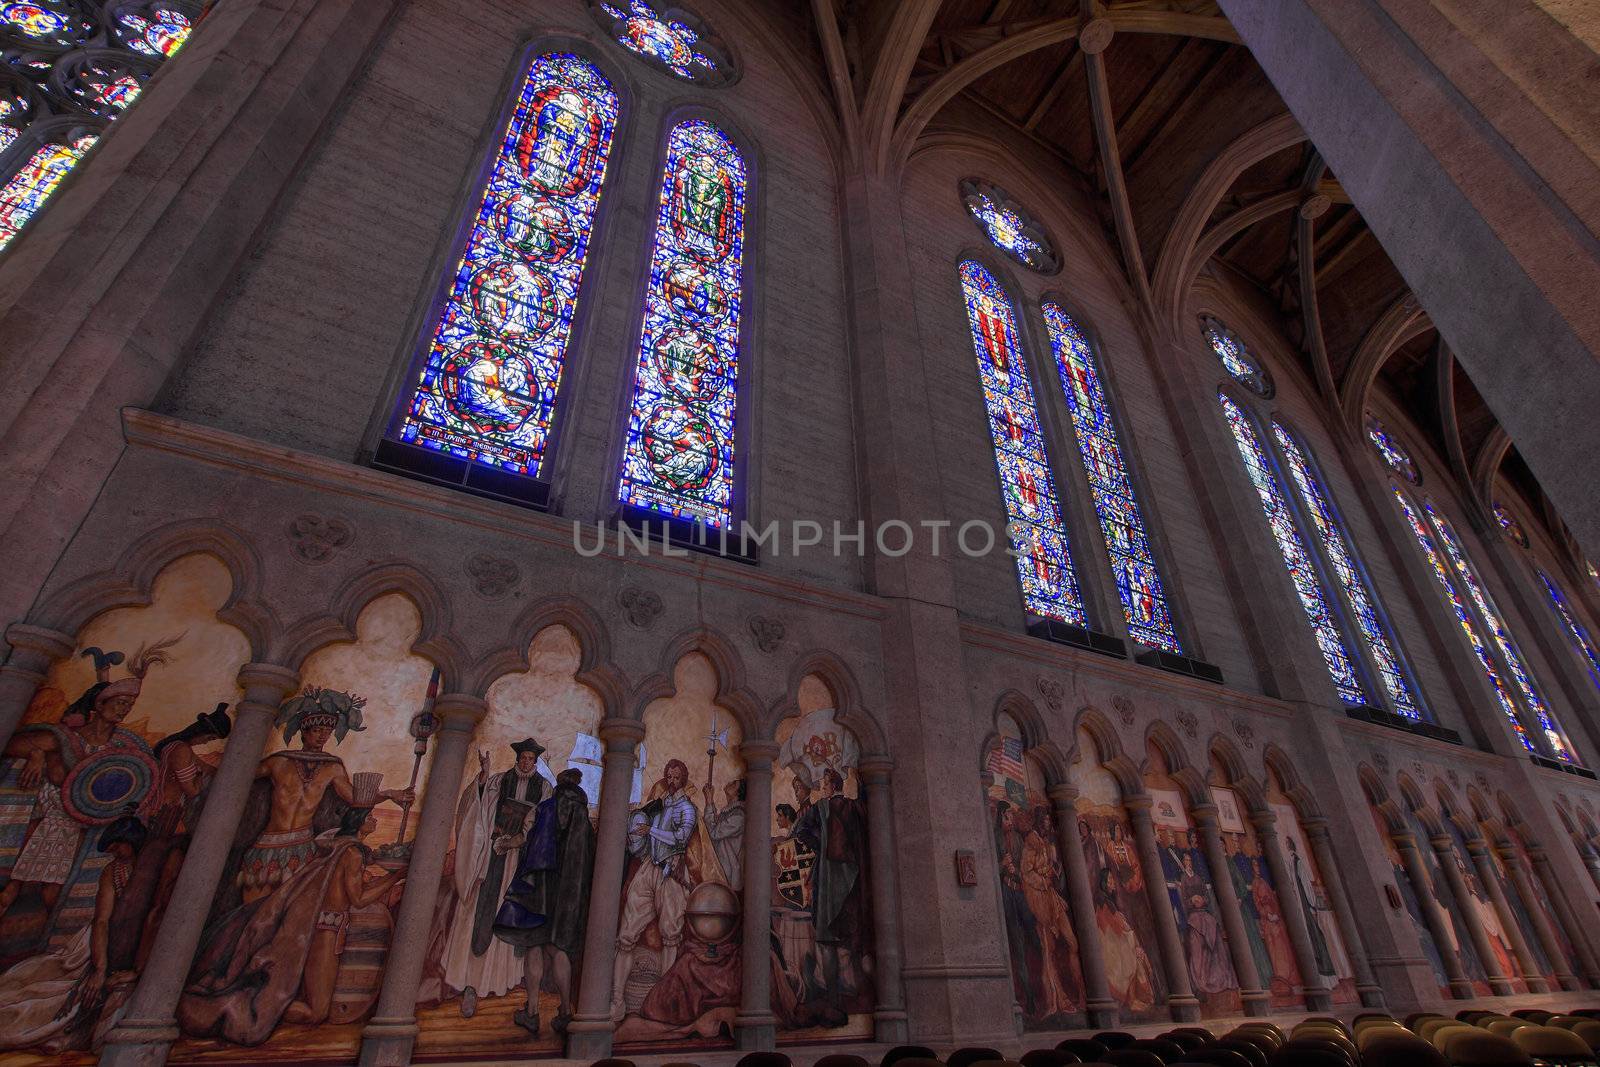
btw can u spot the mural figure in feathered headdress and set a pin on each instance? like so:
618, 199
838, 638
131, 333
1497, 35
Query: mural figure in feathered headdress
297, 873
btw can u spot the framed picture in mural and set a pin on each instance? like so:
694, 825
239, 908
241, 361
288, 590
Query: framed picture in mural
823, 947
506, 949
1046, 972
100, 789
1122, 912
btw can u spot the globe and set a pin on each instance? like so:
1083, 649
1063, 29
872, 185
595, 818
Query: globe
712, 912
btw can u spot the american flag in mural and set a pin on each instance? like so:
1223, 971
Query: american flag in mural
1005, 759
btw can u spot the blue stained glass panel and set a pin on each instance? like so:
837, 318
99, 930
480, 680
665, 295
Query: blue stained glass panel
1144, 601
1441, 571
679, 459
488, 389
1362, 600
643, 30
1520, 675
1236, 359
1574, 628
1044, 561
1392, 451
1295, 557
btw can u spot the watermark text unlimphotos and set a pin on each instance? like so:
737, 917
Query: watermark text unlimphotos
975, 537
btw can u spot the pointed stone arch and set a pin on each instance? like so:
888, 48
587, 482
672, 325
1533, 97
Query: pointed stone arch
595, 667
1181, 769
130, 581
1108, 750
1226, 753
434, 642
732, 694
850, 709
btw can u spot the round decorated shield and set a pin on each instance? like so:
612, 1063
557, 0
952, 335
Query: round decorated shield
512, 300
104, 785
538, 228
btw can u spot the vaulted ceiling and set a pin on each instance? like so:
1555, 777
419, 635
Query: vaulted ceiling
1138, 101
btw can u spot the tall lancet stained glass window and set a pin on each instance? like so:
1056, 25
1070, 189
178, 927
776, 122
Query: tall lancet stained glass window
488, 387
679, 457
69, 69
1144, 601
1362, 600
1521, 677
1441, 571
1044, 562
1575, 629
1295, 555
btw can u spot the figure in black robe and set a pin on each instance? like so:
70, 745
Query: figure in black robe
546, 908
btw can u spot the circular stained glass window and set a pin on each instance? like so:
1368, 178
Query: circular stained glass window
1392, 451
1009, 227
43, 22
1508, 522
1236, 357
667, 36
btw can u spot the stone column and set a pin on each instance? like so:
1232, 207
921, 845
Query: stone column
1104, 1011
1181, 1000
589, 1033
1575, 930
1318, 998
1432, 914
33, 649
1444, 849
1591, 860
1252, 984
1483, 863
387, 1039
889, 1017
149, 1027
1367, 987
755, 1027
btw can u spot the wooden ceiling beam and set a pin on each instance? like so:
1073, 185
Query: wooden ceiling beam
1444, 388
1190, 97
1105, 136
891, 68
1015, 40
1344, 256
1059, 81
1316, 343
1399, 323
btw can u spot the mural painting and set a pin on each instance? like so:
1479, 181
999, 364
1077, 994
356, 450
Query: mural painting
822, 922
1260, 905
1045, 970
100, 788
1307, 892
1454, 913
1191, 889
1541, 901
292, 956
506, 951
1121, 902
677, 970
1410, 896
1483, 905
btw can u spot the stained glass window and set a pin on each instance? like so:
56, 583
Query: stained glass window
1574, 628
1009, 227
680, 451
25, 192
1241, 365
488, 387
1508, 522
671, 37
1144, 601
44, 125
1319, 508
1044, 561
1441, 571
1393, 453
1521, 677
1295, 556
156, 30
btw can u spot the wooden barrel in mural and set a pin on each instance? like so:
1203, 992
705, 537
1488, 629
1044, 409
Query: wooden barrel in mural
366, 947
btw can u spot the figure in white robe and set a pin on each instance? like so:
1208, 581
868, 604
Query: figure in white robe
487, 853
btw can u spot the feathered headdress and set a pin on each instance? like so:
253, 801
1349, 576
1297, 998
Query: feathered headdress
321, 707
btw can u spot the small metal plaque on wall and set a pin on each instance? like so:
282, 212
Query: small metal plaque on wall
966, 867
